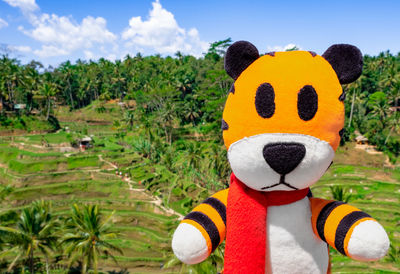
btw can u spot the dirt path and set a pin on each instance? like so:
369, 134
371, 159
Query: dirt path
152, 199
107, 162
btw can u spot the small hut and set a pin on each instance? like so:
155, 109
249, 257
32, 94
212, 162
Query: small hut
85, 143
361, 140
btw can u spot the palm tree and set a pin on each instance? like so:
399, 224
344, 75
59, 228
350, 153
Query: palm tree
191, 111
48, 91
393, 124
129, 118
217, 157
88, 235
35, 230
67, 79
118, 80
30, 80
354, 88
379, 107
167, 114
193, 154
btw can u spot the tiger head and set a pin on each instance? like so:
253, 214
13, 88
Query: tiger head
284, 115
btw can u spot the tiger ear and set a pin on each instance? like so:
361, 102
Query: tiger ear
346, 60
239, 56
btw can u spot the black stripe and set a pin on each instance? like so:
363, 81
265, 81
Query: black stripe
207, 224
323, 215
218, 206
232, 89
344, 226
309, 194
342, 96
224, 125
313, 54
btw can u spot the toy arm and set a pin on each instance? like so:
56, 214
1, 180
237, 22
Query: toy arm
202, 230
349, 230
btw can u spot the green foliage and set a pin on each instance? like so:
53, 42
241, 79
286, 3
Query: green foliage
394, 254
87, 236
373, 103
166, 135
217, 49
340, 194
23, 122
343, 169
34, 231
185, 91
5, 191
213, 264
81, 162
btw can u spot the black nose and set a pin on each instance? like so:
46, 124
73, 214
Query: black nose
284, 157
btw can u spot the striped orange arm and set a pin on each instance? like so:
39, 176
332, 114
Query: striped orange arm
210, 219
334, 222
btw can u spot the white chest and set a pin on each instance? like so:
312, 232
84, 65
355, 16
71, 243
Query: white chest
292, 245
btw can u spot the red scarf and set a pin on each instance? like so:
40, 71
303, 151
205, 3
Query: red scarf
245, 249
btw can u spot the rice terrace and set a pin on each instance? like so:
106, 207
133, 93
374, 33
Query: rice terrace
101, 158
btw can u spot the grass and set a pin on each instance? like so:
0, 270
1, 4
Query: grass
50, 138
146, 228
24, 124
378, 198
80, 162
64, 180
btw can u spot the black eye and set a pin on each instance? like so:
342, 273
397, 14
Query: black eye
307, 103
265, 97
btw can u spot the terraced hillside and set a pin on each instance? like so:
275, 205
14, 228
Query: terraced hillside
46, 167
81, 177
372, 188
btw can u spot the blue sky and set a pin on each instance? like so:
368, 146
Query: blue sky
57, 30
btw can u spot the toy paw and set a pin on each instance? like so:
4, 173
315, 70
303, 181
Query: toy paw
368, 241
189, 244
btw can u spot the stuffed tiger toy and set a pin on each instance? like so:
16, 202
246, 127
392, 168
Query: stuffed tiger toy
282, 124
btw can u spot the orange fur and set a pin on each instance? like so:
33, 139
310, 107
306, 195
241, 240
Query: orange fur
222, 196
287, 72
214, 216
333, 221
317, 205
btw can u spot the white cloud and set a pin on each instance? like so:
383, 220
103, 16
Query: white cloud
60, 35
161, 33
24, 5
88, 55
112, 57
52, 30
23, 49
283, 48
91, 39
3, 23
50, 51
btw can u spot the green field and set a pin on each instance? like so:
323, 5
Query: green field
84, 177
143, 211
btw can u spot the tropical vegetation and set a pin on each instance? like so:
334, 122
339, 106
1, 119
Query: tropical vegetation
154, 123
183, 91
